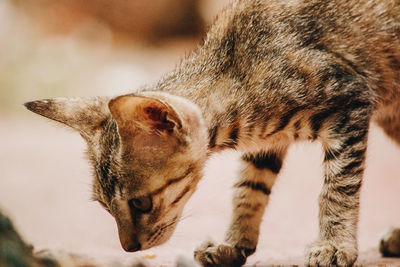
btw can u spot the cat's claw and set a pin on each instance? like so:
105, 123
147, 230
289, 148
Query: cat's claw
327, 253
210, 254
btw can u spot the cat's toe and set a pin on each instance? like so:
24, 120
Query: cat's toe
346, 254
209, 254
390, 243
326, 253
320, 254
206, 244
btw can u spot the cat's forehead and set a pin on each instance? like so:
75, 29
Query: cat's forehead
118, 172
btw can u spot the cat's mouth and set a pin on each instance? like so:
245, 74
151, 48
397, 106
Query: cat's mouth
161, 234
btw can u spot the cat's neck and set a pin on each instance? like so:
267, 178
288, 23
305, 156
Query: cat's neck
210, 94
232, 120
201, 85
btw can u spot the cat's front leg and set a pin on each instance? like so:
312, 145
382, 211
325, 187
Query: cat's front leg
251, 195
344, 148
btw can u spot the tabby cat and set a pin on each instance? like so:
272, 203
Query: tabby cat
269, 73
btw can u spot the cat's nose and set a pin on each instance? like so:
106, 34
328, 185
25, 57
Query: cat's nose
128, 235
129, 241
132, 247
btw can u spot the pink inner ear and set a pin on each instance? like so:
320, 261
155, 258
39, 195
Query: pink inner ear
159, 117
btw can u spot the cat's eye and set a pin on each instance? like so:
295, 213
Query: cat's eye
142, 204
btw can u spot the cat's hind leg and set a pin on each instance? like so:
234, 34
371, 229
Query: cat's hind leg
388, 118
250, 198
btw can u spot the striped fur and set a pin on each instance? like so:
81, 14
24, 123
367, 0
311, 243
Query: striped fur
251, 196
269, 73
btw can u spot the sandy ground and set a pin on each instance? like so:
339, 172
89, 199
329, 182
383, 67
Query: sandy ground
45, 188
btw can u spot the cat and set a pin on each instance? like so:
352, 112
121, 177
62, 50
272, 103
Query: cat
268, 74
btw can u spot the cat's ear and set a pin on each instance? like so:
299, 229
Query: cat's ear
85, 115
132, 112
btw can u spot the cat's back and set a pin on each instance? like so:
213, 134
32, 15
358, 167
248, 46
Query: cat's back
253, 38
363, 35
318, 20
323, 21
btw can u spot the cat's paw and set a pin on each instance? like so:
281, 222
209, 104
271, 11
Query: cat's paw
210, 254
327, 253
390, 243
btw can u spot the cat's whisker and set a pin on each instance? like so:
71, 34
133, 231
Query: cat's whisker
182, 218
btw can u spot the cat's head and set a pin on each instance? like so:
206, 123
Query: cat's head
147, 152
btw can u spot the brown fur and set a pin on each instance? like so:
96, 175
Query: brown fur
390, 243
269, 73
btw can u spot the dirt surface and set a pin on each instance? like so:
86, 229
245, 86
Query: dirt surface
45, 189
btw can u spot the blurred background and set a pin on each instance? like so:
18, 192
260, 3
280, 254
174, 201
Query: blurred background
86, 48
72, 47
